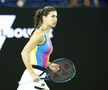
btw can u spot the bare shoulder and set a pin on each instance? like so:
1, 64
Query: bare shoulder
35, 39
38, 35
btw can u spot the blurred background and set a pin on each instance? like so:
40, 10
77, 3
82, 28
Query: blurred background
80, 35
56, 3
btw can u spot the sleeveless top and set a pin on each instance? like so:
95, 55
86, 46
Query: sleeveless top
40, 55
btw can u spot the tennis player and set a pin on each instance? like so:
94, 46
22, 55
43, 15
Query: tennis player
37, 51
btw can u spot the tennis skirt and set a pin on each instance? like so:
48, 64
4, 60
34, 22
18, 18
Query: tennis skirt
26, 82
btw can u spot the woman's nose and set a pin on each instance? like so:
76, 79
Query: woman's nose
55, 19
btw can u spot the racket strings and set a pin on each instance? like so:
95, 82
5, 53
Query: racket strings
66, 72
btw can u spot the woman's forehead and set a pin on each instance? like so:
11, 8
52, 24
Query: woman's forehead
52, 13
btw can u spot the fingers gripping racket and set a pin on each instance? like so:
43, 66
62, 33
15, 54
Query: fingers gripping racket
65, 73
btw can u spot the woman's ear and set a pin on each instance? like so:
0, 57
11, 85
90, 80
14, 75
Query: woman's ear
44, 18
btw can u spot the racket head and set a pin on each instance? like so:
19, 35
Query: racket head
66, 72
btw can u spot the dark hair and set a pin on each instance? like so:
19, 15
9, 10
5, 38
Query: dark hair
39, 14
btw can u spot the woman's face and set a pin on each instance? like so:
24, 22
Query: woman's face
51, 19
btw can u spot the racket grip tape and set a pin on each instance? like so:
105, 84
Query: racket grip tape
44, 78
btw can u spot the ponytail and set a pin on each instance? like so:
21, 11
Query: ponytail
39, 14
37, 19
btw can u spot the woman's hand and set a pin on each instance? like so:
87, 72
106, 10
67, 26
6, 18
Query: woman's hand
54, 67
36, 77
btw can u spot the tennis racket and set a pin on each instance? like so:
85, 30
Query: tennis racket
65, 73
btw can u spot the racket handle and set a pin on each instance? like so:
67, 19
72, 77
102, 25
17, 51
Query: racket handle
44, 78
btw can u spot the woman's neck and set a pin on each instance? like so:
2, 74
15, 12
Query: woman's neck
45, 28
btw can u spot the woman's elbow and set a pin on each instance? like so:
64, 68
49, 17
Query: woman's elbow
24, 51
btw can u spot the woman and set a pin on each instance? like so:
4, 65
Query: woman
37, 51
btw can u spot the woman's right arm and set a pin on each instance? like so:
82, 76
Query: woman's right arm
25, 54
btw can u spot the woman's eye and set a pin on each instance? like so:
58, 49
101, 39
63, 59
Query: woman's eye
53, 16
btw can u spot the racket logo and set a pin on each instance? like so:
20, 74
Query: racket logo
64, 69
62, 73
65, 73
66, 66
